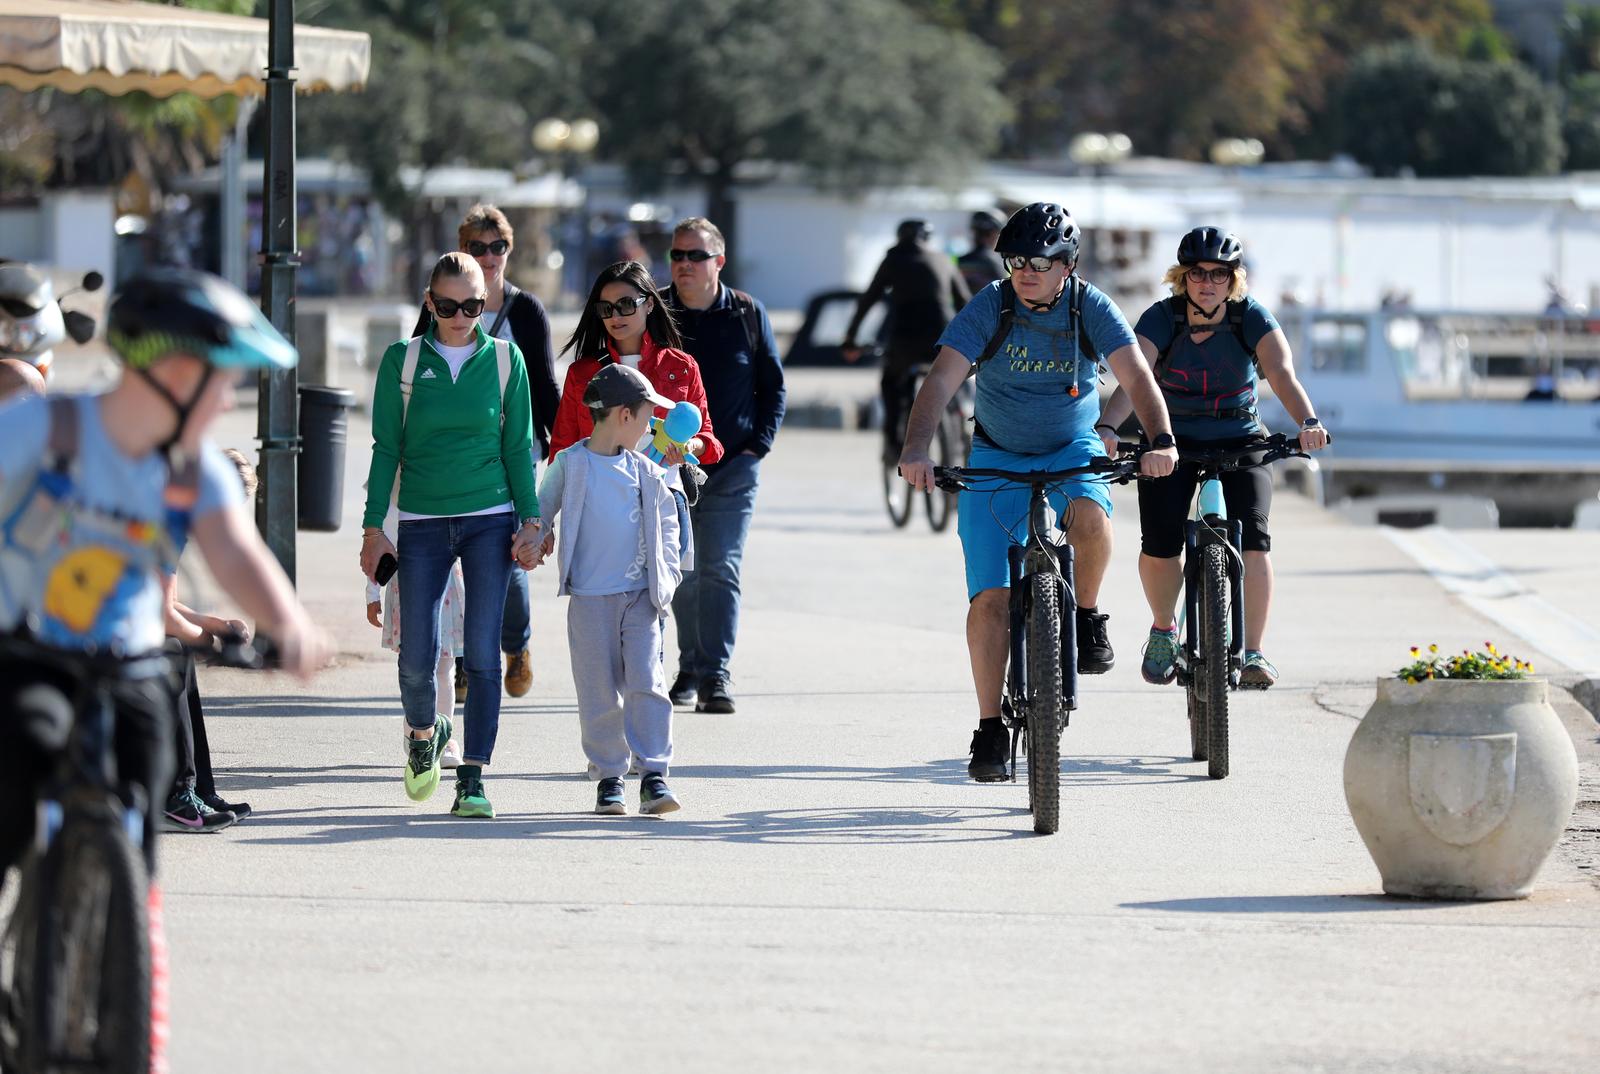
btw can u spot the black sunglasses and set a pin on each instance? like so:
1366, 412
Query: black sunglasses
622, 307
446, 308
1016, 263
696, 256
497, 247
1216, 275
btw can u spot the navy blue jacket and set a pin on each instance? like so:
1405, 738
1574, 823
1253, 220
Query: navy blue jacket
743, 377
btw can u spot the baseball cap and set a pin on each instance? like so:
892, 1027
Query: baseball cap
621, 385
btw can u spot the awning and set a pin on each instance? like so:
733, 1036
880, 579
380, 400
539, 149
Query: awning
121, 46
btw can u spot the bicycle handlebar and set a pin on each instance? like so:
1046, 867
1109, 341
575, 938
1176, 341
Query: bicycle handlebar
1120, 470
232, 649
1272, 449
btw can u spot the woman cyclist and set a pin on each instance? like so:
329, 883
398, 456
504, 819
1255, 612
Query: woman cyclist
1207, 345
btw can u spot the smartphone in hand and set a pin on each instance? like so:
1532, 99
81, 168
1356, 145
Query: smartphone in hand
385, 569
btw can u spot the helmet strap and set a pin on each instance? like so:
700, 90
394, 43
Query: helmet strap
1206, 313
169, 447
1046, 307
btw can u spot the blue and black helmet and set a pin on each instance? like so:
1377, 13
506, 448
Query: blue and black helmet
166, 311
1210, 244
1043, 229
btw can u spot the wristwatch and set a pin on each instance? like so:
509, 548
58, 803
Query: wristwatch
529, 521
1311, 423
1163, 440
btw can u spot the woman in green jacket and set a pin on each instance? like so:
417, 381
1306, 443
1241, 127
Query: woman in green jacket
458, 426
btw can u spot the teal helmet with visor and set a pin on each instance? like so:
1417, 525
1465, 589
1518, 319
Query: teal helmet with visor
166, 311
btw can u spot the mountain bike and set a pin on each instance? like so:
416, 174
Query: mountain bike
1212, 651
75, 956
1042, 670
952, 439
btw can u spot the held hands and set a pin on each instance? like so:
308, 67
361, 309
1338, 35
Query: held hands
524, 545
374, 546
546, 549
917, 468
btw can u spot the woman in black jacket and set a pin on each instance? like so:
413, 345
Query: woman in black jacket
513, 314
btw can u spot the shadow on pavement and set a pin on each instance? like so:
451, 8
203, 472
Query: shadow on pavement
280, 705
1290, 904
840, 826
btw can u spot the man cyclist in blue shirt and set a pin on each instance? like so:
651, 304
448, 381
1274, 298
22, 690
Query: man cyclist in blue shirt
1036, 409
97, 495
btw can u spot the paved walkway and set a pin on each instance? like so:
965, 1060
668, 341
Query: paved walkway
835, 895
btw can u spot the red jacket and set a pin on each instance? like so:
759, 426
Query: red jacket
671, 372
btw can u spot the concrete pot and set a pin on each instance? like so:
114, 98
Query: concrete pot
1460, 788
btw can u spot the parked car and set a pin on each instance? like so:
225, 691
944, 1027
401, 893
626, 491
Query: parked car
827, 316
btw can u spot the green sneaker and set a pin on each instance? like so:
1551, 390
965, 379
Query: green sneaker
1256, 671
422, 761
470, 799
1160, 657
654, 797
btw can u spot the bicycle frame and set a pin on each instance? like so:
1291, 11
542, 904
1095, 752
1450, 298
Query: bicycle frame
1038, 555
1209, 523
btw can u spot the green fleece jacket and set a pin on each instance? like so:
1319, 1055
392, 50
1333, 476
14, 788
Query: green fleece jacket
457, 457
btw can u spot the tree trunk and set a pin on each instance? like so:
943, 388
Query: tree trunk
722, 209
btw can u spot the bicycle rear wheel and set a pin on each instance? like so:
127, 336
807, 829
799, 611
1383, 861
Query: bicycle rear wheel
16, 970
1214, 626
92, 974
947, 451
1045, 702
897, 495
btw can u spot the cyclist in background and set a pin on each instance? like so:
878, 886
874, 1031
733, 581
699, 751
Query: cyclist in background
96, 494
924, 291
981, 265
1206, 345
1036, 410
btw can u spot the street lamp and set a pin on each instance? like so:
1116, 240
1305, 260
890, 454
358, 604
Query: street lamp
565, 141
1237, 152
1098, 152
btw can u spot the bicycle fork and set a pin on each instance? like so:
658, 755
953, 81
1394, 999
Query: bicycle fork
1017, 685
1196, 536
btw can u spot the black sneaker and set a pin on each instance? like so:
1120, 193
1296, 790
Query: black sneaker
185, 812
240, 810
608, 799
991, 748
1094, 644
685, 688
714, 696
654, 795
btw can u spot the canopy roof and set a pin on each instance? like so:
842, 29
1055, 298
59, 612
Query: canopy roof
121, 46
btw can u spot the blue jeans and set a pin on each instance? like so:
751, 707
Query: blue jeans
518, 625
427, 548
706, 605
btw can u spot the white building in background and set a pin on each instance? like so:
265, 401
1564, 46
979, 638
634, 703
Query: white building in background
1326, 235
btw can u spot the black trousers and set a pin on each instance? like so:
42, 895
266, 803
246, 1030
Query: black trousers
34, 726
192, 755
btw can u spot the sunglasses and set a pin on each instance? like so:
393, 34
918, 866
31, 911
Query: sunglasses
1216, 275
696, 256
497, 247
446, 308
622, 307
1016, 263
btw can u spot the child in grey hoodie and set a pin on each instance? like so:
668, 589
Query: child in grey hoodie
618, 558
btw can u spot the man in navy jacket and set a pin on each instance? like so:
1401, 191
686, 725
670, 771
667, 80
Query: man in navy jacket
731, 338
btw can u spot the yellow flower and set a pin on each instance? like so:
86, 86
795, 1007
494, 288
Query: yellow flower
1431, 649
1415, 650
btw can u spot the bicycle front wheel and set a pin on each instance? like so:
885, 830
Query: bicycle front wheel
1214, 626
897, 495
1045, 703
947, 451
93, 950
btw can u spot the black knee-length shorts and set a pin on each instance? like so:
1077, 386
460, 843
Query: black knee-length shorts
1164, 504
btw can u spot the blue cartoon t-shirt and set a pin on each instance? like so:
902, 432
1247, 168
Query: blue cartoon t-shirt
1209, 385
92, 577
1026, 401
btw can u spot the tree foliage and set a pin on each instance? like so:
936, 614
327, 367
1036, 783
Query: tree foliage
1404, 106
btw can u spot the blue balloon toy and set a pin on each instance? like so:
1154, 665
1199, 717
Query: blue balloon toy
681, 425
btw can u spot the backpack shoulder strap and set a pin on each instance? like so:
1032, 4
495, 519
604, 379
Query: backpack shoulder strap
62, 447
502, 361
408, 373
1180, 324
1008, 310
1075, 311
1236, 322
749, 316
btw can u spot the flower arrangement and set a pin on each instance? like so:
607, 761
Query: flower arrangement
1487, 663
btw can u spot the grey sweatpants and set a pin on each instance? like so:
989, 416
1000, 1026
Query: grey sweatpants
617, 666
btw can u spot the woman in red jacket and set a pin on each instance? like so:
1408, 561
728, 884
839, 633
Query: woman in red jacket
624, 321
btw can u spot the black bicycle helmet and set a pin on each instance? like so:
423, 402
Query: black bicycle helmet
170, 310
1043, 229
1210, 244
913, 230
987, 220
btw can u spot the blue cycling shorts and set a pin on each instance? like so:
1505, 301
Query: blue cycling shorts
993, 516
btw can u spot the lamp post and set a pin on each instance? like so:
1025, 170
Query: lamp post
566, 142
1237, 152
1098, 152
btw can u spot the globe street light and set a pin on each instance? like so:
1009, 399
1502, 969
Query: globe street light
565, 141
1097, 152
1237, 152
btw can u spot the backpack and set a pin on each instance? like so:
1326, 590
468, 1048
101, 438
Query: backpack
750, 317
1178, 306
1008, 309
408, 373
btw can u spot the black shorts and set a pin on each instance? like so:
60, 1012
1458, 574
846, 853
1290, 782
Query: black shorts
1164, 504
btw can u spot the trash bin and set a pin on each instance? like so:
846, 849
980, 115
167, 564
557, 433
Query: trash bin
324, 427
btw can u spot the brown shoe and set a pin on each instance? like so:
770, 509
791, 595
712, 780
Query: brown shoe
461, 683
519, 673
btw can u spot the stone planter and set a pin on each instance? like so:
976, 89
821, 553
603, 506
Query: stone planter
1460, 788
